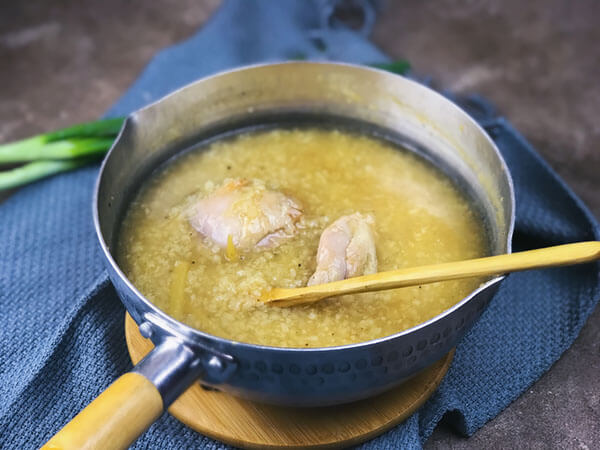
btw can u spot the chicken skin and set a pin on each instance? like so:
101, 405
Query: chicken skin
246, 214
346, 250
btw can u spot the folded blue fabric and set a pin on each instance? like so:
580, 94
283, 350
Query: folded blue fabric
62, 323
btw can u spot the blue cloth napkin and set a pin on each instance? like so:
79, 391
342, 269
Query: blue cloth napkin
62, 323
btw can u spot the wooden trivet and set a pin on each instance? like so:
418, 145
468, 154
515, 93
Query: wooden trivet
246, 424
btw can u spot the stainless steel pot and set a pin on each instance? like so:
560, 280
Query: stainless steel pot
423, 119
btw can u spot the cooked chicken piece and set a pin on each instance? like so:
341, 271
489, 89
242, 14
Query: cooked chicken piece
346, 250
245, 214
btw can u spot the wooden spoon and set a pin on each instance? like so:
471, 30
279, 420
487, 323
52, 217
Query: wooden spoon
561, 255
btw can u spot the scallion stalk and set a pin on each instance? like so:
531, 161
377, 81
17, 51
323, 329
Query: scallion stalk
57, 151
30, 150
39, 169
72, 142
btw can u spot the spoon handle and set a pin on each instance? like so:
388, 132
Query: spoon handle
560, 255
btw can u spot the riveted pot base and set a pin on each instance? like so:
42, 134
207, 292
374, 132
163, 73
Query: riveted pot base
247, 424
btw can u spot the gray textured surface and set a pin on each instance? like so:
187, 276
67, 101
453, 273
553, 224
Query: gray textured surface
539, 61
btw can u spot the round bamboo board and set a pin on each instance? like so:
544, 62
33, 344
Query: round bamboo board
246, 424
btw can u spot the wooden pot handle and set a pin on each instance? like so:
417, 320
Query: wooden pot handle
114, 419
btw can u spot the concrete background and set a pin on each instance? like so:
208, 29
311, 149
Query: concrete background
67, 61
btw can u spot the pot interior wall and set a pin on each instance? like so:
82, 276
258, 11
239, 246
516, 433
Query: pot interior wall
377, 102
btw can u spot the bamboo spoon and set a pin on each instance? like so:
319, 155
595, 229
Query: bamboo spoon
561, 255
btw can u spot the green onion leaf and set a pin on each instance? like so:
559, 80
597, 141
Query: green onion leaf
97, 128
399, 67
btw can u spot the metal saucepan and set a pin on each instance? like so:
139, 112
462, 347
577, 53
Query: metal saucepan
422, 119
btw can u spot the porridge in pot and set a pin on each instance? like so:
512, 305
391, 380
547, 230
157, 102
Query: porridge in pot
289, 206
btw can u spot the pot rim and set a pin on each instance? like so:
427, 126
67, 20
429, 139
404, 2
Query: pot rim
175, 327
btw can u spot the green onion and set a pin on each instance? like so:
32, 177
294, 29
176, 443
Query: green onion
57, 151
30, 150
72, 142
39, 169
399, 67
98, 128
